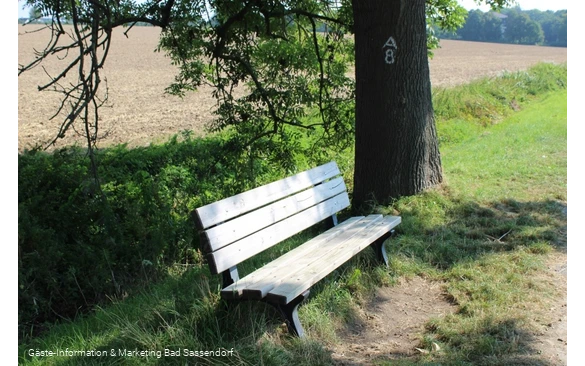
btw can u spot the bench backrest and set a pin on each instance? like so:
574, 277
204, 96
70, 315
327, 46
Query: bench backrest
239, 227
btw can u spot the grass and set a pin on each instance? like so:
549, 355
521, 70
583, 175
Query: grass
485, 235
508, 158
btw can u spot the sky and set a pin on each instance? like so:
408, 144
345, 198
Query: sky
524, 4
468, 4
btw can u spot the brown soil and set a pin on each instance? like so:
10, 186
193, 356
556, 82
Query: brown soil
390, 326
137, 76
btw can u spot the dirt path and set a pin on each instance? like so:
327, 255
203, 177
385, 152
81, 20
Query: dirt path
553, 341
391, 325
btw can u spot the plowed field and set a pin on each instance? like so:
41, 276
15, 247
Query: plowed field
140, 112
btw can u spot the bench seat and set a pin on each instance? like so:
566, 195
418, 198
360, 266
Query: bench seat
288, 276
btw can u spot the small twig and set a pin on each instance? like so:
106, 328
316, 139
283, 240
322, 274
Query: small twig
501, 237
499, 240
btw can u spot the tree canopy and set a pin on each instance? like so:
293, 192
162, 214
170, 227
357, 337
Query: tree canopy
293, 57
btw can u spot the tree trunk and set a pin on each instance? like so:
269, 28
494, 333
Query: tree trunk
396, 151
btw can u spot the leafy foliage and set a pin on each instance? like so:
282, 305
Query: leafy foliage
272, 65
445, 16
79, 244
521, 29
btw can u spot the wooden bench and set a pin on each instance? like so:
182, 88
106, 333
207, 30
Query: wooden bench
239, 227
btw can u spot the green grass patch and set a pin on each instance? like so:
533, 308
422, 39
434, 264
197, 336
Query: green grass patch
505, 160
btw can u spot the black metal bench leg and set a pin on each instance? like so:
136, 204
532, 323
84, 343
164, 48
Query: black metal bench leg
379, 247
291, 316
229, 276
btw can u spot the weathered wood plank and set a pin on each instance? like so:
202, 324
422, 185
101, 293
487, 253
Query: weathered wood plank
245, 248
228, 208
221, 235
291, 287
286, 260
319, 255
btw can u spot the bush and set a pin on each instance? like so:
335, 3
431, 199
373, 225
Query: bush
80, 242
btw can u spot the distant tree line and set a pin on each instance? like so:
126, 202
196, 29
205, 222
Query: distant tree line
513, 25
36, 16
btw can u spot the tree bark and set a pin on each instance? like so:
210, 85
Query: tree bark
396, 151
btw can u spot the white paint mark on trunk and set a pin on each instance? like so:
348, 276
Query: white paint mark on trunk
390, 51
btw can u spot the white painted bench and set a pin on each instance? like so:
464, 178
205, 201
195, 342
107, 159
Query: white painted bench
239, 227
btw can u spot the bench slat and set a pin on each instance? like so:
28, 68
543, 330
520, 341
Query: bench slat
300, 282
221, 235
266, 272
245, 248
228, 208
319, 254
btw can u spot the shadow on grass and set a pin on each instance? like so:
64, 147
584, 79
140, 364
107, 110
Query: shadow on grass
181, 321
468, 229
